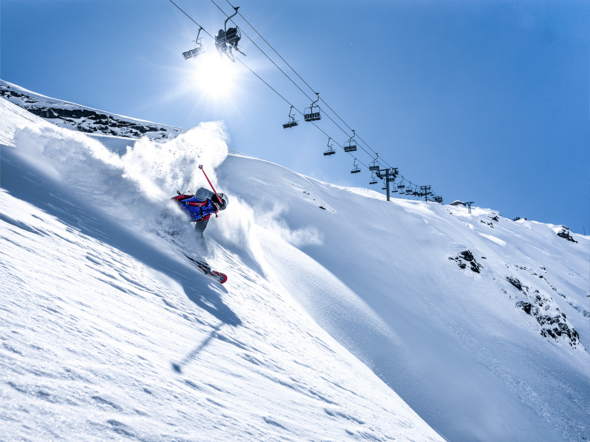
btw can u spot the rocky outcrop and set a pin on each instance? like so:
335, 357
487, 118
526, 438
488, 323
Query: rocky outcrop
566, 234
552, 322
82, 119
466, 258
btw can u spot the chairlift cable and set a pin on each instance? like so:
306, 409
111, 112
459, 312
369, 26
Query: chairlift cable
244, 18
289, 103
283, 72
301, 78
261, 79
191, 19
273, 89
285, 61
367, 144
271, 60
358, 136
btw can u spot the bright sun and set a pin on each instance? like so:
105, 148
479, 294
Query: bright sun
215, 75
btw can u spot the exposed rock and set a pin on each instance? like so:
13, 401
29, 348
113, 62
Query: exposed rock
565, 234
526, 306
515, 282
467, 256
487, 223
80, 118
540, 307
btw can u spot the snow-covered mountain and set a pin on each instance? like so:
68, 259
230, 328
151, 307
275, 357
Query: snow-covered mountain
84, 119
345, 317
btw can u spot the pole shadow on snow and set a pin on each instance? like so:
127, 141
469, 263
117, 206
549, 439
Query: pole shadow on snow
193, 354
32, 186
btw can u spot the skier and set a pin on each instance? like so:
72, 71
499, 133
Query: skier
201, 206
220, 41
231, 37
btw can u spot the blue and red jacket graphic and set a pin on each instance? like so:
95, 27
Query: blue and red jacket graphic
198, 210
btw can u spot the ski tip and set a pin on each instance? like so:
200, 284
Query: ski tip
222, 278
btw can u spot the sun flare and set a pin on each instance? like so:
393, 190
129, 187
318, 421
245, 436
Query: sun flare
215, 76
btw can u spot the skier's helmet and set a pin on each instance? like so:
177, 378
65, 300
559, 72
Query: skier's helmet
224, 201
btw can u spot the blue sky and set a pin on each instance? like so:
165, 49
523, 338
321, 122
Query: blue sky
486, 101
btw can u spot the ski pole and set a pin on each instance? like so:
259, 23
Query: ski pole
214, 191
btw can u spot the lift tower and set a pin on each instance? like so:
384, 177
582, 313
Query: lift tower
389, 175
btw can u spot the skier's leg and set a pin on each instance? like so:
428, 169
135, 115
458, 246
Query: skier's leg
200, 227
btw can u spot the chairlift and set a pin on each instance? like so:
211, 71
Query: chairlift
375, 164
355, 169
292, 121
227, 40
199, 48
350, 145
390, 178
393, 175
330, 150
312, 113
373, 179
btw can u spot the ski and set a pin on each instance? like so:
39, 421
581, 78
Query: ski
206, 270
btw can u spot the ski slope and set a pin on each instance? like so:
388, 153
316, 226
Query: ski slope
344, 317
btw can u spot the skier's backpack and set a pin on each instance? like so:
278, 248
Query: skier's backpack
198, 210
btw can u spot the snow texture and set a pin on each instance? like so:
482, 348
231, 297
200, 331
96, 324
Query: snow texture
337, 302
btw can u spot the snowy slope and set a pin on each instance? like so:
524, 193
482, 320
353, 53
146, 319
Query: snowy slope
316, 271
109, 333
460, 347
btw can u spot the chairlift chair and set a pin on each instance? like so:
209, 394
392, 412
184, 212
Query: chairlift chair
355, 169
391, 179
312, 113
373, 179
350, 145
292, 121
330, 150
198, 50
227, 39
375, 164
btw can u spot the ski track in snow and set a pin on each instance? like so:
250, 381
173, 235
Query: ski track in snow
108, 332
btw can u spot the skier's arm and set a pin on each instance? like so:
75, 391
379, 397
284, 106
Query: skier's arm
204, 194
